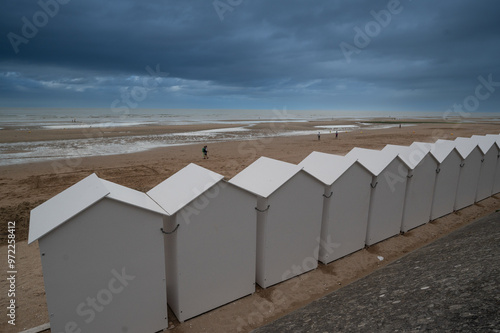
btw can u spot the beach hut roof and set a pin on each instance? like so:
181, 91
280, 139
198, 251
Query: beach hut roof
65, 205
438, 151
496, 137
131, 197
374, 161
265, 176
410, 155
327, 168
484, 142
442, 148
181, 188
465, 146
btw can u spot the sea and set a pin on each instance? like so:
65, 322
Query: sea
242, 121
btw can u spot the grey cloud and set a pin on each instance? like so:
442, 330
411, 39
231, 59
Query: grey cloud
263, 52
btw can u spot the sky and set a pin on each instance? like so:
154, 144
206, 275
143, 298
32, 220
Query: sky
376, 55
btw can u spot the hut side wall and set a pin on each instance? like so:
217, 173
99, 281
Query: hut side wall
291, 231
326, 224
386, 203
213, 260
487, 174
468, 180
496, 182
261, 262
171, 264
418, 199
445, 189
105, 246
344, 227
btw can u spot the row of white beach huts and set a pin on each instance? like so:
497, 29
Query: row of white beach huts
113, 257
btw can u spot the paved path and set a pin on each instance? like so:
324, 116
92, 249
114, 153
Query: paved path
450, 285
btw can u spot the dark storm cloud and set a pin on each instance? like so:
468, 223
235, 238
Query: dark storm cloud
426, 55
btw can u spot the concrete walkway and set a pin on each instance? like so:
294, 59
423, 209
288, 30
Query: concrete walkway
451, 285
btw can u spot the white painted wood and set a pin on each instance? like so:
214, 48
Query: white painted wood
419, 194
264, 176
374, 160
465, 146
327, 168
421, 169
263, 260
445, 188
388, 192
483, 142
487, 174
442, 148
469, 177
386, 202
211, 257
59, 209
345, 205
289, 231
423, 146
183, 187
411, 157
131, 197
110, 255
289, 224
344, 226
496, 182
486, 180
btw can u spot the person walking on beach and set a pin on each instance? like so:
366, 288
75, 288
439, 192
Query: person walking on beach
205, 152
319, 136
336, 134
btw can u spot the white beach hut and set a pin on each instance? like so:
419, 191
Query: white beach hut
345, 203
489, 150
210, 248
421, 175
496, 182
289, 206
469, 172
103, 258
387, 194
447, 173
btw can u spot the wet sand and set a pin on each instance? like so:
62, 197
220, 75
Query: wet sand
25, 186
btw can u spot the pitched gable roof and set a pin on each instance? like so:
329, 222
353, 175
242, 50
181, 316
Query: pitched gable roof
484, 142
465, 146
410, 155
65, 205
183, 187
442, 148
496, 137
131, 197
327, 168
373, 160
265, 176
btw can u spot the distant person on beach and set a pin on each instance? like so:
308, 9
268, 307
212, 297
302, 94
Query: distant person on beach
336, 134
205, 152
319, 136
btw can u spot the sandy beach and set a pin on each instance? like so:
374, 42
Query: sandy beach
25, 186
